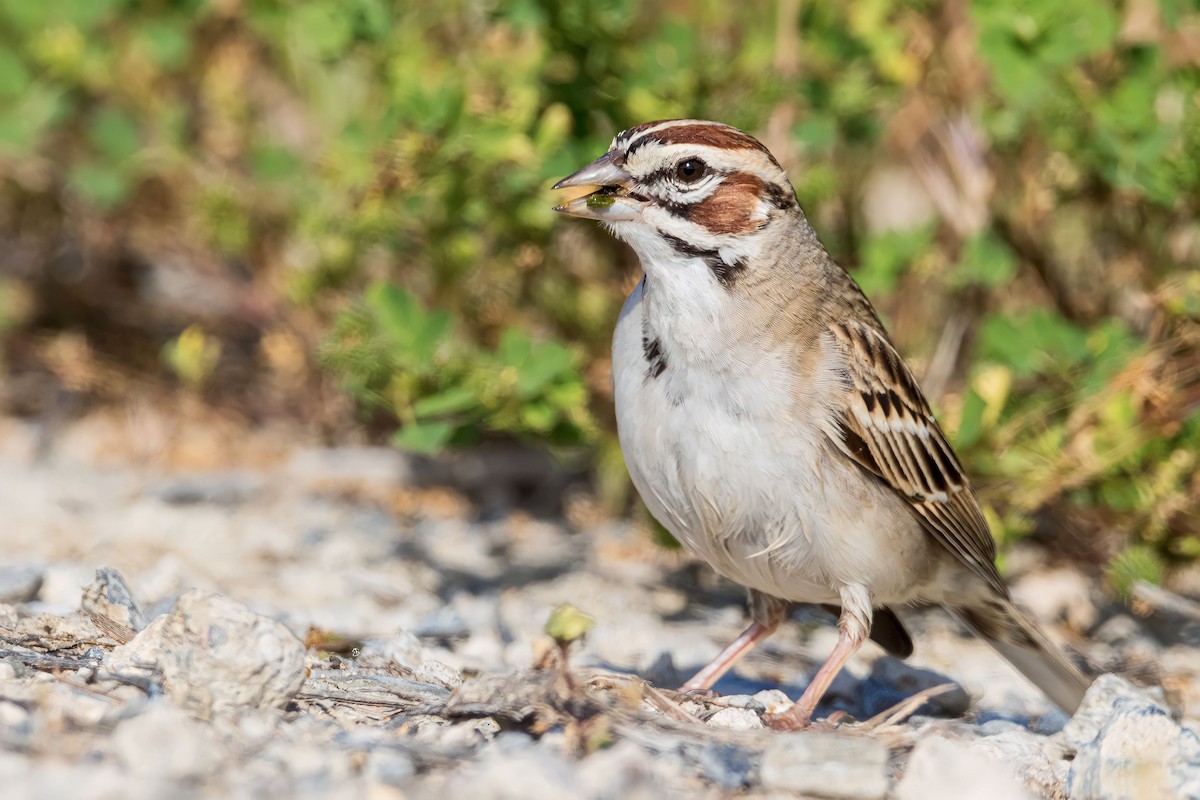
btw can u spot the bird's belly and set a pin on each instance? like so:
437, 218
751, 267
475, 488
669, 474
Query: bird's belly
757, 493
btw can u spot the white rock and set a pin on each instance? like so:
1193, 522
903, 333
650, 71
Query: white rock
163, 740
12, 715
215, 655
738, 719
1037, 762
623, 770
737, 701
510, 767
826, 764
19, 584
389, 767
940, 767
62, 586
7, 671
1137, 751
404, 649
773, 700
109, 596
1098, 705
1057, 594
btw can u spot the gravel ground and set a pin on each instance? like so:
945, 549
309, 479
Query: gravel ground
324, 626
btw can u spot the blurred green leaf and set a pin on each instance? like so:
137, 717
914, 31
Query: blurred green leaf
274, 163
887, 256
115, 135
414, 333
322, 28
423, 437
1032, 342
985, 261
14, 78
166, 42
1137, 563
451, 401
817, 133
104, 185
971, 421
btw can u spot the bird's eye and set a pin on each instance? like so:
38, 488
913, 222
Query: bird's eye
691, 170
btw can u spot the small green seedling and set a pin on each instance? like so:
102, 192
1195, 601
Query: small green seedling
568, 624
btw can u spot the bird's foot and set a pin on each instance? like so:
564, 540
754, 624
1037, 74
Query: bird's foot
791, 720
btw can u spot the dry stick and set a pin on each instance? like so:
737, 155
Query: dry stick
657, 698
1160, 599
906, 707
41, 661
121, 634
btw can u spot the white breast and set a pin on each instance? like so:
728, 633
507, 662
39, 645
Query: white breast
721, 457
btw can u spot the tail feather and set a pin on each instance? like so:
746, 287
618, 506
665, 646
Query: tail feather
1019, 640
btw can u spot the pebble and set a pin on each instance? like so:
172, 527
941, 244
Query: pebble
728, 766
737, 719
773, 701
1098, 705
1037, 762
109, 596
940, 767
509, 767
215, 655
12, 715
1136, 750
826, 764
217, 488
62, 586
163, 740
403, 649
438, 673
389, 766
623, 771
19, 584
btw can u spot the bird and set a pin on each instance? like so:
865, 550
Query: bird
768, 421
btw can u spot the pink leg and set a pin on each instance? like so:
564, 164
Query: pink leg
799, 716
744, 643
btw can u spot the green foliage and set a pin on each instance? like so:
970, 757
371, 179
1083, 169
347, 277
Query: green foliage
395, 355
381, 171
1134, 565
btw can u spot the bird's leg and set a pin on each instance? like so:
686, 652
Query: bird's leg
767, 613
854, 626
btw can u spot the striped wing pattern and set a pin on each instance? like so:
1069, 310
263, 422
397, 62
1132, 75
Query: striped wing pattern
890, 431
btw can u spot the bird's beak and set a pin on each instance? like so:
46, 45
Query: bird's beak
612, 202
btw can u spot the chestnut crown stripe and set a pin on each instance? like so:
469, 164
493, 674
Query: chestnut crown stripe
704, 134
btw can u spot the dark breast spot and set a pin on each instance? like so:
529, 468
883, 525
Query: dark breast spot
656, 359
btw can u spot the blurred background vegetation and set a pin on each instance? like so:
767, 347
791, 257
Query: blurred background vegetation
274, 207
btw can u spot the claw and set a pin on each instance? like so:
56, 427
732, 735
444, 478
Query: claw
789, 720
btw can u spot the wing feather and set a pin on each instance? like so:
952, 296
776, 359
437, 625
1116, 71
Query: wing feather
889, 430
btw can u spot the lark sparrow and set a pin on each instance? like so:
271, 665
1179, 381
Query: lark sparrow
768, 421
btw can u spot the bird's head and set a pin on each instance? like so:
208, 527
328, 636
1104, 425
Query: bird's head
694, 185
